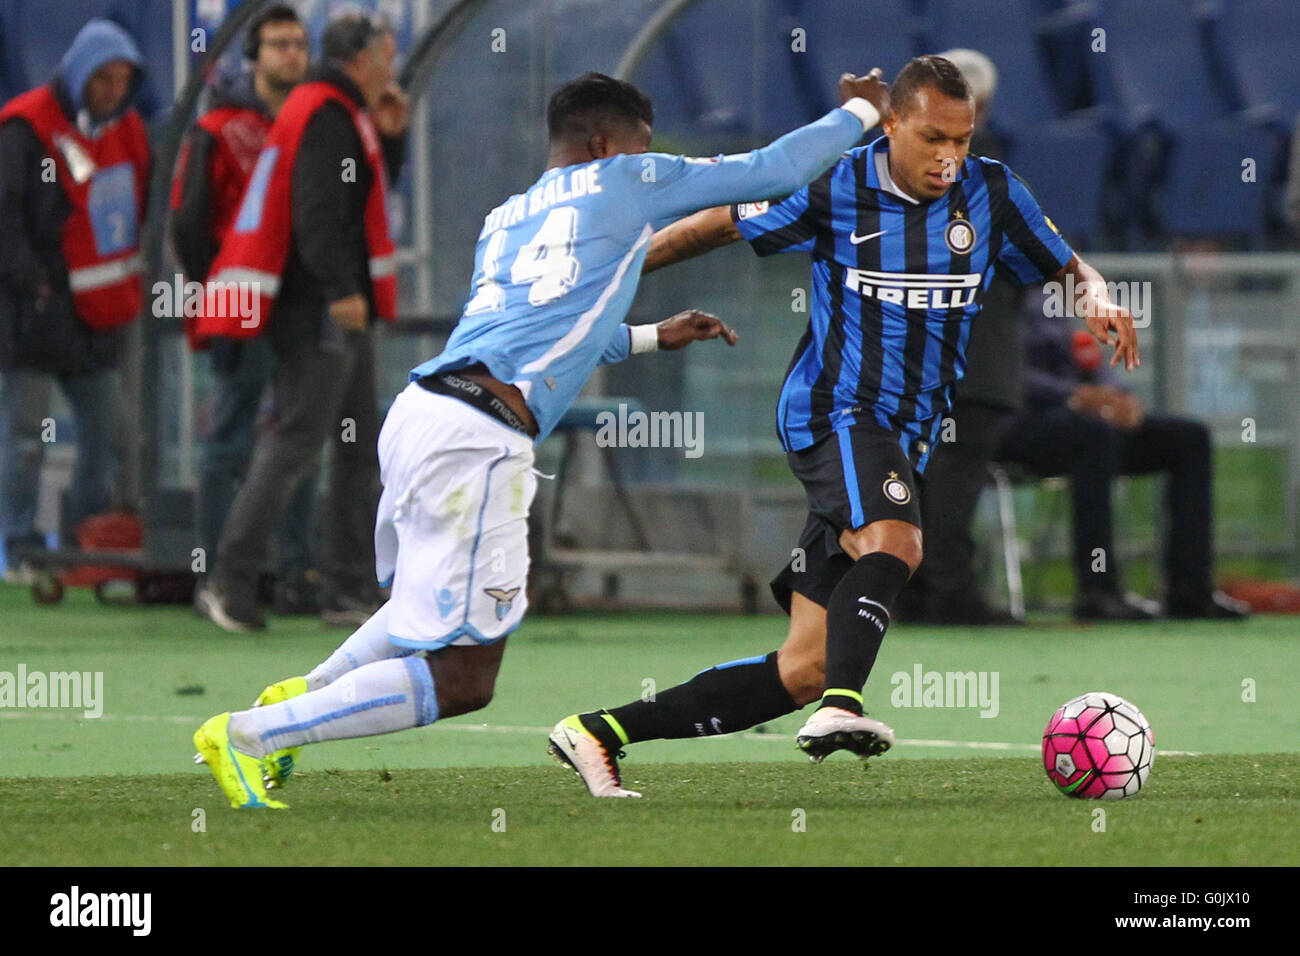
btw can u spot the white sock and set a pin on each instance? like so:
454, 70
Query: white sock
378, 698
368, 643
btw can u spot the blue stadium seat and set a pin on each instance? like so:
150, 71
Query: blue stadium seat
1163, 75
1004, 31
1203, 193
1259, 39
702, 73
1064, 162
1155, 68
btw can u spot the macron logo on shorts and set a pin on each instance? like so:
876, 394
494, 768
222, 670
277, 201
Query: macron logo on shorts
446, 602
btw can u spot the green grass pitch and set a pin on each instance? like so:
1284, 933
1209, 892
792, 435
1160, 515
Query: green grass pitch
958, 789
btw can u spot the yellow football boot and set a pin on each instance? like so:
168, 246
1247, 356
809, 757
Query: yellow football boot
277, 767
238, 774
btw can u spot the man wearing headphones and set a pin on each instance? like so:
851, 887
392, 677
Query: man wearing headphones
217, 160
311, 239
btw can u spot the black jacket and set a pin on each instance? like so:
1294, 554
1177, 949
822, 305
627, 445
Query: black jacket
191, 221
328, 255
1051, 372
40, 333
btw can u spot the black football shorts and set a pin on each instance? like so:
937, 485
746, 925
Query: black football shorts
852, 478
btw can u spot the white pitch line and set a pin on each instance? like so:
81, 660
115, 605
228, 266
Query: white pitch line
509, 729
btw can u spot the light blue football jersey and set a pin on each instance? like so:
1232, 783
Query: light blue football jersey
556, 267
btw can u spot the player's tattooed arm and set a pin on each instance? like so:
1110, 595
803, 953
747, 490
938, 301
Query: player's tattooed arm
690, 237
1100, 314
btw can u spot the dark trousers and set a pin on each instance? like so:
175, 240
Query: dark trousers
1091, 453
955, 476
25, 397
324, 393
240, 373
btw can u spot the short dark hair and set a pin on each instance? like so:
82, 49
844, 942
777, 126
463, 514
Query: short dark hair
923, 71
276, 13
594, 101
349, 33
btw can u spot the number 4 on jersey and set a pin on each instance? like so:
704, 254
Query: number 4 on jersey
546, 263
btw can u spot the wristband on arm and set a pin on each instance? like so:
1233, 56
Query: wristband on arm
864, 111
645, 338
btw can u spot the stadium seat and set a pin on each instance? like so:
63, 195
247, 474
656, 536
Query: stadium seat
1065, 163
1005, 32
842, 35
1155, 68
794, 87
691, 100
1259, 41
1163, 76
1203, 193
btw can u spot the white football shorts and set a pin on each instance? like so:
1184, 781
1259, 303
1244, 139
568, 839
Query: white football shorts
451, 535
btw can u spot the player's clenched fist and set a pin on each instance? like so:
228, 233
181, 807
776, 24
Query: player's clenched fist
871, 88
693, 326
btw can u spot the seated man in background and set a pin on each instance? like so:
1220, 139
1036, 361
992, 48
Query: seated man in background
1077, 423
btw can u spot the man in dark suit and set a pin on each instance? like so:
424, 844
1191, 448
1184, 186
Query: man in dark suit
1077, 423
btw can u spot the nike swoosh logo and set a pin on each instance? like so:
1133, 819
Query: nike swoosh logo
568, 735
858, 240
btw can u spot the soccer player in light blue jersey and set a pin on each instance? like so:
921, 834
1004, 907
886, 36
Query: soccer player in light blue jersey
556, 268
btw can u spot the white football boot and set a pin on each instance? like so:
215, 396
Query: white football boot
577, 748
832, 728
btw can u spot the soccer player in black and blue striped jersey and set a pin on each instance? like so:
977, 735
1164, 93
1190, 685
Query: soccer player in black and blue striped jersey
904, 234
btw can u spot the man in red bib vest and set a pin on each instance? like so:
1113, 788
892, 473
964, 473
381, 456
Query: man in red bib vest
74, 174
217, 159
308, 262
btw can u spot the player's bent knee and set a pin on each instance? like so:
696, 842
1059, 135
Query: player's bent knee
479, 694
904, 544
464, 677
910, 554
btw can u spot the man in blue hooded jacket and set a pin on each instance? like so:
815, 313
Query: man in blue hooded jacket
74, 173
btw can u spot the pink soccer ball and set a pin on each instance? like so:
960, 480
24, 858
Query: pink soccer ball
1098, 746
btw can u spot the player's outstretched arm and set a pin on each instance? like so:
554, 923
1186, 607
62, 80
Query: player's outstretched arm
712, 228
1100, 314
693, 236
672, 333
671, 187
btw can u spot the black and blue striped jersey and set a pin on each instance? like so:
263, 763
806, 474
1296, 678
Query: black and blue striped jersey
895, 285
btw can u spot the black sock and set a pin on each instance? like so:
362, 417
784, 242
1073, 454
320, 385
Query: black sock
856, 617
721, 700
